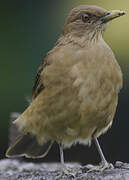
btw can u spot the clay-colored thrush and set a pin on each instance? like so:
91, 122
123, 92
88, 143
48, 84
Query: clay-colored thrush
76, 89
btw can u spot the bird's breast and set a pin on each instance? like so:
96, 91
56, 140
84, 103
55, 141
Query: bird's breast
84, 84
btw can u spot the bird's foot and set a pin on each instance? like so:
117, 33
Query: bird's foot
100, 168
66, 172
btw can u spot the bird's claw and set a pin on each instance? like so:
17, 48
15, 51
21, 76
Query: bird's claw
100, 168
66, 172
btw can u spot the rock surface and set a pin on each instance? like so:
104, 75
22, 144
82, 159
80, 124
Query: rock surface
11, 169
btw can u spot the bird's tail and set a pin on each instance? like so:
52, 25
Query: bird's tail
27, 145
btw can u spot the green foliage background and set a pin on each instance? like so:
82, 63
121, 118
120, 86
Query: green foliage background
28, 30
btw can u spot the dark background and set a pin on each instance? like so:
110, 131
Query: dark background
28, 29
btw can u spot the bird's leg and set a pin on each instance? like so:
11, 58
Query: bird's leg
62, 156
64, 169
103, 160
104, 164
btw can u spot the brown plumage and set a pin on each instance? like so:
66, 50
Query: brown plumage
76, 89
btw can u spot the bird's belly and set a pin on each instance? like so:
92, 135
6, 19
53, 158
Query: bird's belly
98, 99
79, 113
75, 109
75, 113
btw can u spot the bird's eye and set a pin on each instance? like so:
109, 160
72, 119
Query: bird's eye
85, 17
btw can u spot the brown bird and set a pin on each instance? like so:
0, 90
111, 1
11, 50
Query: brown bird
75, 94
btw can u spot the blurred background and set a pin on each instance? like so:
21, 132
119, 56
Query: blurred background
28, 30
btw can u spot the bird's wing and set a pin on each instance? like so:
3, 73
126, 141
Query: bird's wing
38, 85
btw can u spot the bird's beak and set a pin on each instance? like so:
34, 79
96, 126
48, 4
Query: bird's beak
112, 15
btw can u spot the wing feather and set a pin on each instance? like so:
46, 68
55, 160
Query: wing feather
38, 85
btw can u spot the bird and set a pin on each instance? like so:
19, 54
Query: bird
75, 94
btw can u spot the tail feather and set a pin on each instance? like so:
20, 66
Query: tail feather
27, 145
13, 130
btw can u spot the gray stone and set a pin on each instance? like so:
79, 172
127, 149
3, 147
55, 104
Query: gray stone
11, 169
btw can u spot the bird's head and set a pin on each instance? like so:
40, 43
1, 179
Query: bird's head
86, 20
